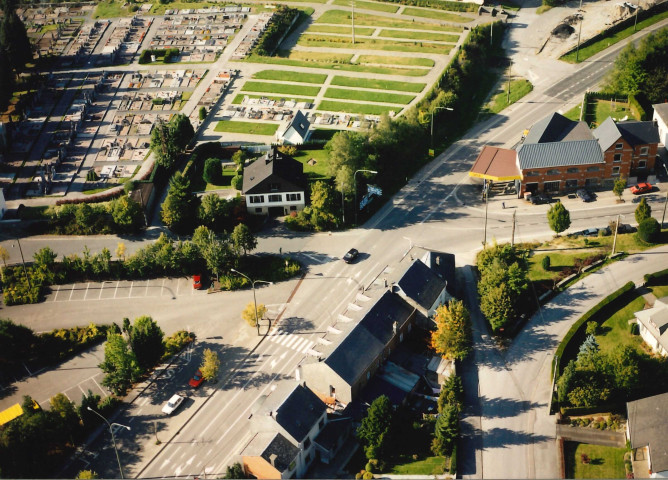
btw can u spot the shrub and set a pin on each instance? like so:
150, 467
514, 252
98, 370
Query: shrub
367, 475
237, 182
213, 171
649, 230
635, 329
176, 342
546, 262
108, 405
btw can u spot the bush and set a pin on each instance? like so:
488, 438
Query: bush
546, 262
213, 171
237, 182
649, 230
367, 475
108, 405
176, 342
635, 329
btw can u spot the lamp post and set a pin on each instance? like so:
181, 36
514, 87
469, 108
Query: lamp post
25, 272
355, 184
113, 438
435, 109
253, 282
343, 205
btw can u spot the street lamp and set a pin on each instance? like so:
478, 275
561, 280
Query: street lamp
343, 205
113, 438
355, 184
253, 282
435, 109
25, 272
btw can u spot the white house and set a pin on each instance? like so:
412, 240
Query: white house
274, 184
3, 204
653, 326
296, 131
660, 118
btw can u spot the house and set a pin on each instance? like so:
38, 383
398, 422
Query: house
660, 118
3, 203
296, 131
653, 326
422, 288
646, 431
274, 184
351, 352
631, 147
284, 425
443, 265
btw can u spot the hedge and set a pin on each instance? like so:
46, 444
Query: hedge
453, 460
440, 4
656, 277
580, 325
636, 109
604, 409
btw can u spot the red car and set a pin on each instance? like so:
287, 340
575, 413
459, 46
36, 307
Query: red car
197, 282
641, 188
197, 379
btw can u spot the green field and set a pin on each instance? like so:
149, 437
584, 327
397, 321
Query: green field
438, 15
48, 28
377, 84
317, 171
316, 28
427, 466
285, 76
160, 8
282, 88
518, 89
362, 108
614, 333
239, 98
254, 128
330, 41
606, 462
383, 60
368, 96
362, 19
438, 37
111, 9
381, 7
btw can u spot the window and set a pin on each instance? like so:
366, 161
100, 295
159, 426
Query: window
553, 171
591, 182
617, 157
256, 198
274, 187
644, 150
642, 163
552, 186
307, 443
293, 208
368, 375
615, 171
292, 465
572, 170
532, 173
258, 209
619, 146
593, 169
571, 183
294, 197
275, 198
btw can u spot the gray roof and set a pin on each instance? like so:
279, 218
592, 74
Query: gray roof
557, 128
300, 124
559, 154
329, 437
299, 412
266, 444
274, 167
648, 426
421, 284
635, 133
380, 319
655, 320
607, 133
661, 110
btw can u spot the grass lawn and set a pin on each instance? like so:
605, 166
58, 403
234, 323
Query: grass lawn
438, 15
48, 28
558, 262
367, 96
185, 96
377, 84
111, 9
317, 28
439, 37
279, 88
615, 333
309, 40
240, 97
573, 113
383, 60
659, 290
362, 108
362, 19
518, 89
160, 8
381, 7
606, 108
98, 190
317, 171
254, 128
282, 75
427, 466
323, 134
606, 462
594, 48
34, 213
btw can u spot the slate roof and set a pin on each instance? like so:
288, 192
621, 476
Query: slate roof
421, 284
559, 154
328, 438
661, 110
265, 444
557, 128
300, 124
443, 264
648, 425
635, 133
273, 163
607, 133
380, 319
299, 412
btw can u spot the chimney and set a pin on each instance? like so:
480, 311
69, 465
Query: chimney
272, 459
395, 327
298, 373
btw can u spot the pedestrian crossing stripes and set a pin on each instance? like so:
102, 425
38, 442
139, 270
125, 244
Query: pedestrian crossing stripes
292, 341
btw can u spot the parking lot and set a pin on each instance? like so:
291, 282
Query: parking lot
123, 289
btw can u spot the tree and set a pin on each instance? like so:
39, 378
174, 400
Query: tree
120, 365
127, 214
322, 206
182, 131
558, 218
120, 250
497, 306
84, 217
452, 338
202, 113
235, 471
6, 79
452, 392
239, 158
213, 211
592, 327
446, 430
4, 256
643, 210
375, 431
210, 365
87, 475
237, 182
164, 146
625, 369
347, 153
146, 340
619, 186
180, 207
213, 171
249, 314
66, 410
649, 230
242, 239
14, 38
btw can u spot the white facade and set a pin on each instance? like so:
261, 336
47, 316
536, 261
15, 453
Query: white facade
292, 137
651, 340
661, 121
3, 204
307, 447
259, 204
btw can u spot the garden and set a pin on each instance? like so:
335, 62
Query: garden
593, 461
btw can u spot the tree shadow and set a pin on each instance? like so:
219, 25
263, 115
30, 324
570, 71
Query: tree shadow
504, 437
296, 325
506, 407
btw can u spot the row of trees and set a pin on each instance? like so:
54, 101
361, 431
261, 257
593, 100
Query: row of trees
121, 215
15, 50
168, 140
277, 28
446, 429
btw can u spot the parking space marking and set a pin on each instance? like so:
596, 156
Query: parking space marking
55, 297
162, 288
178, 284
86, 293
131, 285
116, 291
73, 285
106, 394
146, 291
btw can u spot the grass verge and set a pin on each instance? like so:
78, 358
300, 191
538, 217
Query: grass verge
615, 333
381, 7
317, 28
606, 462
366, 20
368, 96
378, 84
279, 88
283, 76
361, 108
253, 128
438, 15
438, 37
518, 89
383, 60
426, 466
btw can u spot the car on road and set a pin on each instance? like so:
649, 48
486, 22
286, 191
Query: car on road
197, 282
584, 195
172, 404
351, 255
641, 188
197, 379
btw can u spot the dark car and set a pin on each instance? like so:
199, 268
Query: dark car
622, 228
538, 199
197, 379
351, 255
584, 195
641, 188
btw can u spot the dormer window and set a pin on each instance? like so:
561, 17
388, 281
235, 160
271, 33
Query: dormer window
619, 146
274, 187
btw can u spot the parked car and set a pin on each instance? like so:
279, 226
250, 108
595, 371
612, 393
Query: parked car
537, 199
172, 404
197, 282
351, 255
587, 232
641, 188
584, 195
622, 228
197, 379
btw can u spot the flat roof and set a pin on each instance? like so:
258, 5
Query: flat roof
498, 164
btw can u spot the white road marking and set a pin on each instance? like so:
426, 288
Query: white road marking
306, 347
131, 285
116, 290
146, 291
73, 285
162, 288
57, 291
87, 287
291, 340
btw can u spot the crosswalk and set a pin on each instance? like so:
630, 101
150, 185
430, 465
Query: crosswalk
292, 341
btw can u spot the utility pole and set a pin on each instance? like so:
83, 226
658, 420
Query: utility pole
343, 206
510, 69
614, 242
512, 235
486, 193
491, 33
577, 50
635, 22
